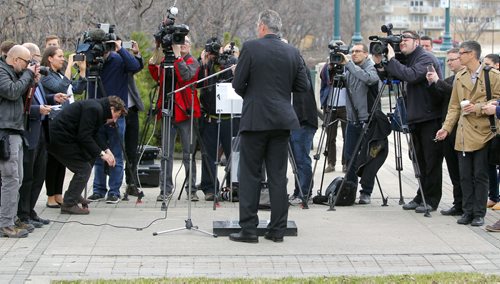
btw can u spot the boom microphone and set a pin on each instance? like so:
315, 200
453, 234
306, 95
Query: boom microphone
96, 35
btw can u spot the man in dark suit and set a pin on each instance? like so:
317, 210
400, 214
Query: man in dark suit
443, 88
268, 71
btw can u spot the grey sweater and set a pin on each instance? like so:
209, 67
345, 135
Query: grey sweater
359, 77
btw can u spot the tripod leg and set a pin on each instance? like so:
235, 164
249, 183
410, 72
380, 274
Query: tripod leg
384, 199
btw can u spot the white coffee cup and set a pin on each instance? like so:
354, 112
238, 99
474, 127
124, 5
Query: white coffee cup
463, 104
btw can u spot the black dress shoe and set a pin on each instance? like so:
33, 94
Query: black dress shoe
477, 222
41, 220
466, 219
243, 237
453, 211
272, 237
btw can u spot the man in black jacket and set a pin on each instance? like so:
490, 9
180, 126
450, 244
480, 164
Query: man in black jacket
443, 88
74, 142
424, 116
268, 71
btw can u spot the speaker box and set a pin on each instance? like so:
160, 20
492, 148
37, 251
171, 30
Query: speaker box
149, 175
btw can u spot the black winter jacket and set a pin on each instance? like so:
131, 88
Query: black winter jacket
421, 105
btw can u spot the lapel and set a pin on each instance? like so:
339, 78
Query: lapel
466, 81
40, 97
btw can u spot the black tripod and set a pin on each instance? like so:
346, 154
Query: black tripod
338, 82
333, 196
402, 127
169, 77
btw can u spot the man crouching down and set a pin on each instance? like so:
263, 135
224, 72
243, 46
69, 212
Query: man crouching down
73, 141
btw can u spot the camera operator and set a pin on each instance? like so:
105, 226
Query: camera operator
186, 69
118, 63
213, 61
423, 116
336, 106
360, 76
16, 77
443, 88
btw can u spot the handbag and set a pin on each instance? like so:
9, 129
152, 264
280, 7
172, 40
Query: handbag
494, 144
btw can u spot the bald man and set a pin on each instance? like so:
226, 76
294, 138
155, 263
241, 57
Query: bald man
16, 77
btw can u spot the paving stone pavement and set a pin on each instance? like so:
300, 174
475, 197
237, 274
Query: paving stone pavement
357, 240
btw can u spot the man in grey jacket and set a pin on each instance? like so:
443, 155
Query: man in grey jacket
16, 77
360, 75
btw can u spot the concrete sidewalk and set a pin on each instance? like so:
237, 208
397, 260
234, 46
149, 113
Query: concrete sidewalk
356, 240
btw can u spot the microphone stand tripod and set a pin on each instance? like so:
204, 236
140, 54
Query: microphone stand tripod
188, 222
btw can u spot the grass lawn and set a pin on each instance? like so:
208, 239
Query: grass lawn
442, 277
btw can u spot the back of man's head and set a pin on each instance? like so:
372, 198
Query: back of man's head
472, 45
6, 46
33, 48
272, 20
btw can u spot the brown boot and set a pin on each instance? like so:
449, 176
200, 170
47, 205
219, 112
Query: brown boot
74, 209
494, 228
13, 232
84, 202
18, 224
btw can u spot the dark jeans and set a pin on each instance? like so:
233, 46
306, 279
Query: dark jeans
131, 142
208, 130
353, 133
430, 160
474, 181
453, 170
301, 142
34, 174
70, 155
338, 114
493, 178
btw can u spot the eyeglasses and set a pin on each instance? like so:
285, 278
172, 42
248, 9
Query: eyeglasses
357, 51
452, 59
26, 61
464, 52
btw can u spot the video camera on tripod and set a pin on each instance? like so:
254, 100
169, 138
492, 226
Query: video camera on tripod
336, 58
168, 33
378, 46
95, 43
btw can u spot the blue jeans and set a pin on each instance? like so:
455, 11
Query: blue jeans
108, 134
301, 141
352, 133
183, 129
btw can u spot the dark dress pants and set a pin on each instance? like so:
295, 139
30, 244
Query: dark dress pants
430, 161
72, 157
451, 158
34, 174
474, 181
257, 147
54, 176
131, 142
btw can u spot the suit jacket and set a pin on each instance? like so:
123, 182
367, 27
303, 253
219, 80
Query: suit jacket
32, 133
268, 71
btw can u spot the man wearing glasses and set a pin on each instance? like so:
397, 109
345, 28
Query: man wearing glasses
473, 130
443, 88
360, 75
16, 77
423, 116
